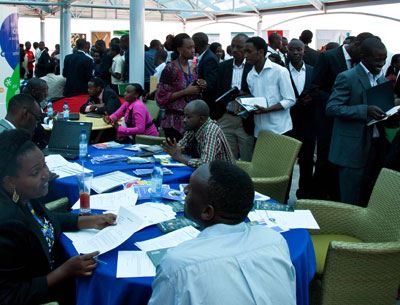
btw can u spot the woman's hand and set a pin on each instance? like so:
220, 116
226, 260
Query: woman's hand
80, 265
202, 83
106, 118
192, 90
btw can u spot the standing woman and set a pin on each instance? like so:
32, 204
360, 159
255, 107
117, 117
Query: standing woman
216, 48
393, 70
137, 119
32, 270
177, 86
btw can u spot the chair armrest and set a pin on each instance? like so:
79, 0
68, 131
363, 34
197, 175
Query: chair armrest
274, 187
335, 217
60, 205
244, 165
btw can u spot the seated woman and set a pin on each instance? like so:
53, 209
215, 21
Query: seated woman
137, 117
101, 99
32, 270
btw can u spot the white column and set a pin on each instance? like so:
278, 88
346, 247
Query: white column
42, 30
62, 54
259, 27
67, 31
136, 42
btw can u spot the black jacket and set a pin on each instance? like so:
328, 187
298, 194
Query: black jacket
42, 64
310, 56
24, 254
78, 70
110, 99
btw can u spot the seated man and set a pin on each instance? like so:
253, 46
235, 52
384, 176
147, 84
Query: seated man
203, 140
55, 82
101, 99
229, 262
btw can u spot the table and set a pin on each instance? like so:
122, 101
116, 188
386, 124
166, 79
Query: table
74, 102
104, 288
67, 187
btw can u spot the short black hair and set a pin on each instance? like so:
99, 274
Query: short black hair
98, 82
161, 54
200, 39
230, 190
332, 45
19, 101
259, 43
138, 88
306, 36
115, 40
116, 48
240, 36
214, 46
177, 41
34, 84
362, 36
369, 44
154, 43
13, 144
80, 44
274, 36
275, 58
100, 42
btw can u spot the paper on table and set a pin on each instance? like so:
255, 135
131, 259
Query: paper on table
81, 235
153, 213
262, 217
134, 264
58, 165
299, 219
111, 201
169, 240
111, 237
111, 180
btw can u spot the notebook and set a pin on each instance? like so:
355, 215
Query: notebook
64, 139
381, 95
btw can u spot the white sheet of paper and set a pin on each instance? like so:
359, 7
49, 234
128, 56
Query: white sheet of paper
103, 183
57, 164
168, 240
81, 235
112, 236
252, 101
112, 201
134, 264
299, 219
153, 213
261, 196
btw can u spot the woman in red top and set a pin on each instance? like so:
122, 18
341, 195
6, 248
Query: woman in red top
178, 86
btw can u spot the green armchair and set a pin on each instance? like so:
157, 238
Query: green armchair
272, 164
358, 249
60, 205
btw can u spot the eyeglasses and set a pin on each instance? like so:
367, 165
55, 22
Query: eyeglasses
37, 117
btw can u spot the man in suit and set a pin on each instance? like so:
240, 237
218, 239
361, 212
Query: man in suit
106, 61
233, 73
329, 65
43, 60
310, 55
22, 112
207, 69
78, 69
358, 149
302, 114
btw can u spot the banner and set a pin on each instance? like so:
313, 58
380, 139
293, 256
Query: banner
9, 56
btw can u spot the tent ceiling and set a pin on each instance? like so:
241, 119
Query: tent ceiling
180, 10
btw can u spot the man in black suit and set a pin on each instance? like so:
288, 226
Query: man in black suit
310, 55
78, 70
207, 69
43, 60
106, 61
124, 45
302, 114
329, 65
233, 73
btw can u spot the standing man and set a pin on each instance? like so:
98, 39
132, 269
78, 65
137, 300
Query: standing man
329, 65
42, 61
207, 69
106, 61
284, 49
31, 59
124, 45
78, 69
233, 73
149, 67
117, 67
274, 45
358, 149
302, 114
272, 82
228, 262
310, 55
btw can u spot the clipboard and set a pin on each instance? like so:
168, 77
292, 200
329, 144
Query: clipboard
381, 95
228, 94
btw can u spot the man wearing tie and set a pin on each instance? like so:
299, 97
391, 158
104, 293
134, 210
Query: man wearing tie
329, 65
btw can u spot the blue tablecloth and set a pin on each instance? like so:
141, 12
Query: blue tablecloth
68, 187
104, 288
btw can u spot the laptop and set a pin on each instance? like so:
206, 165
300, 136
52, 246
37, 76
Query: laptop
64, 139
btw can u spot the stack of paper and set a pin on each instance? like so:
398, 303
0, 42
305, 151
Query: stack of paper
111, 144
168, 240
109, 181
58, 165
112, 201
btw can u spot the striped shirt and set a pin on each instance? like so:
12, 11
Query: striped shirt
211, 144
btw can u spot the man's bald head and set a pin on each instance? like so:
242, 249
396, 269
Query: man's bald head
296, 43
199, 107
196, 113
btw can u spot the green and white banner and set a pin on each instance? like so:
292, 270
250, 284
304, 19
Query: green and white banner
9, 56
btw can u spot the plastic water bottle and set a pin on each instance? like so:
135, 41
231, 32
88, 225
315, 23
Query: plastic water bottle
83, 146
49, 108
156, 184
66, 111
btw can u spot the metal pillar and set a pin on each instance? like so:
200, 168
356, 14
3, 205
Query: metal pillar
42, 29
62, 53
259, 26
67, 31
136, 42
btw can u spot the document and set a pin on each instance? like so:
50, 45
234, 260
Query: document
81, 235
134, 264
103, 183
248, 103
153, 213
111, 237
389, 113
58, 165
111, 201
168, 240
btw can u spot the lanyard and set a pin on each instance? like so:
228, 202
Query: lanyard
188, 80
49, 232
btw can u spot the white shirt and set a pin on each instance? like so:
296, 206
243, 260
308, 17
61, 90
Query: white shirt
347, 57
56, 85
159, 70
227, 264
299, 77
201, 56
271, 50
11, 124
37, 54
117, 67
274, 84
237, 75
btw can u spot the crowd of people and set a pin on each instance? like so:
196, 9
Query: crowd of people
319, 98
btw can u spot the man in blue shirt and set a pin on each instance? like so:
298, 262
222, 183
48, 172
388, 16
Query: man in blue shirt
229, 262
149, 66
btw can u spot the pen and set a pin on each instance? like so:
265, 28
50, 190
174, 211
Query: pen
97, 260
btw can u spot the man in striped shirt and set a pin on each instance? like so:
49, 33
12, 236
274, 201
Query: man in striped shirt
204, 141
